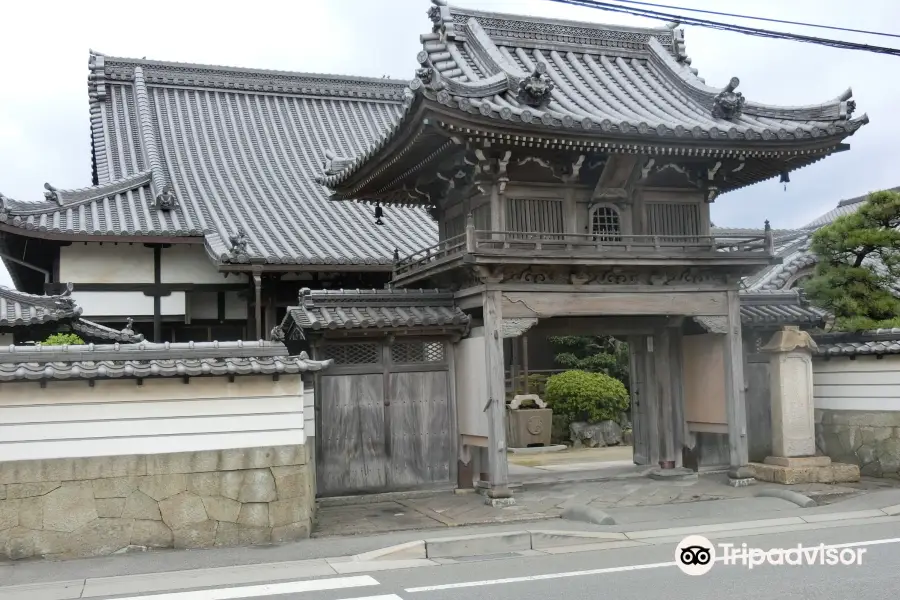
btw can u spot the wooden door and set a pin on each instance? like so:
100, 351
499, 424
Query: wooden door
351, 453
419, 417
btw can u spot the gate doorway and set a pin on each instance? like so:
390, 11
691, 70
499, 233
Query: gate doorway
384, 416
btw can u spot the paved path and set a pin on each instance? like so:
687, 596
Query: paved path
629, 572
534, 502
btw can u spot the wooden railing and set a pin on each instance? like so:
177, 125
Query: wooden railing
474, 241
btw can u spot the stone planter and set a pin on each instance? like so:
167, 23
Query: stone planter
528, 427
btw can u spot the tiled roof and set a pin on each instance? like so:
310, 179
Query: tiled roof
96, 331
151, 360
361, 309
612, 80
877, 342
779, 308
18, 309
234, 150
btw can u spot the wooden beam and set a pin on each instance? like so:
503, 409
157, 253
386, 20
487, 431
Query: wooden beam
257, 286
734, 391
677, 384
495, 377
662, 371
651, 399
574, 304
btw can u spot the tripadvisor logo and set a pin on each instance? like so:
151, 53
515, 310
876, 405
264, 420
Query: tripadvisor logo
696, 555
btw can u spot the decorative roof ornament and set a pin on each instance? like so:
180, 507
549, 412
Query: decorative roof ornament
166, 199
441, 19
334, 163
52, 194
128, 329
239, 243
728, 104
379, 212
277, 334
535, 89
850, 107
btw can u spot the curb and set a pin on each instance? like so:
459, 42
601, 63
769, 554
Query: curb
544, 541
588, 514
789, 495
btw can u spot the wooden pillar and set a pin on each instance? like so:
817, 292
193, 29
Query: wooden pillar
651, 399
157, 298
662, 356
525, 361
734, 391
514, 364
498, 469
677, 377
257, 312
270, 308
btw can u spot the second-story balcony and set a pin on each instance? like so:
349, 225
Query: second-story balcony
742, 254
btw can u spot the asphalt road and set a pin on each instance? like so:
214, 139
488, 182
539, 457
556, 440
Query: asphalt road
623, 574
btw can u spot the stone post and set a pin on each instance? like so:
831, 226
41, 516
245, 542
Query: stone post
794, 457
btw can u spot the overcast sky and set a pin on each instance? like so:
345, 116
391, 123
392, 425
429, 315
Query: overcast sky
44, 121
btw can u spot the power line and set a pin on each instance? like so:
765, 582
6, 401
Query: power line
650, 14
723, 14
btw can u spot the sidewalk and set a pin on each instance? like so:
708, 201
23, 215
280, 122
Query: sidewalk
546, 496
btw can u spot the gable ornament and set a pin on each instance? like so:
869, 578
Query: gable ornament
239, 241
728, 104
166, 199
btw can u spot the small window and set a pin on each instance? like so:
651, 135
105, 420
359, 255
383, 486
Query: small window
605, 224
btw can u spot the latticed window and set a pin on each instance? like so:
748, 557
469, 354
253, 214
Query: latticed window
353, 354
414, 352
605, 224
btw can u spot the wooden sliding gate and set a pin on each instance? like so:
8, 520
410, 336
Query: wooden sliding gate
384, 416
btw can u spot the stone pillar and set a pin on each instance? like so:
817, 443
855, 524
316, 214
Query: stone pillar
793, 457
498, 493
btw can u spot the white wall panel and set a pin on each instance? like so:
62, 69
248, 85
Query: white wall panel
189, 263
127, 304
106, 263
867, 383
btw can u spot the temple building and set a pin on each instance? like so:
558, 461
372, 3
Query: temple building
535, 175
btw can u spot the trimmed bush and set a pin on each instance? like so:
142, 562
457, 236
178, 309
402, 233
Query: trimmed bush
63, 339
583, 396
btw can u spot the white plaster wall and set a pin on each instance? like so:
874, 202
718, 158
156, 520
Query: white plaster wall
471, 386
309, 411
106, 263
867, 383
118, 417
235, 306
127, 304
189, 263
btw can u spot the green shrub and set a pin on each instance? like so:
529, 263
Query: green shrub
63, 339
583, 396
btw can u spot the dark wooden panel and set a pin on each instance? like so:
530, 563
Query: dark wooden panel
420, 429
352, 457
759, 411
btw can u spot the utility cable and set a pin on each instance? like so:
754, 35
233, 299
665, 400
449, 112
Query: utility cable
640, 12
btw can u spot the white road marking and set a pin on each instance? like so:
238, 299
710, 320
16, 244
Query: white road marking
385, 597
466, 584
268, 589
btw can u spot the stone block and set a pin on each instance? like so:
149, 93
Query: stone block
17, 543
3, 492
219, 508
160, 487
110, 507
290, 533
30, 471
290, 455
69, 507
139, 505
183, 462
151, 534
798, 461
115, 487
98, 538
30, 490
254, 514
31, 513
101, 467
9, 514
196, 535
182, 510
834, 473
290, 481
258, 486
872, 435
233, 534
204, 484
888, 452
231, 483
285, 512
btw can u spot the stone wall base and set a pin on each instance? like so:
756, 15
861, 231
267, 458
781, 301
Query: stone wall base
814, 469
68, 508
868, 439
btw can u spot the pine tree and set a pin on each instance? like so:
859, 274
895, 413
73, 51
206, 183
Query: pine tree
859, 265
